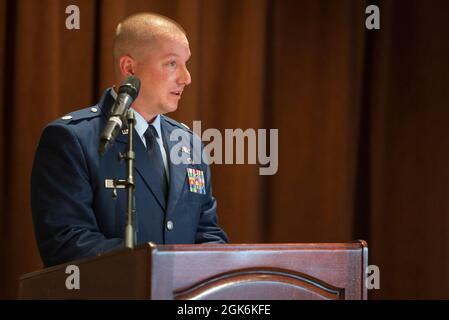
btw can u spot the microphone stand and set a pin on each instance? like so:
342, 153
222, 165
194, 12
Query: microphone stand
131, 219
129, 156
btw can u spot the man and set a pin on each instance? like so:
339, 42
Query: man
74, 215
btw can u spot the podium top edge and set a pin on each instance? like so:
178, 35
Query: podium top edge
161, 248
356, 245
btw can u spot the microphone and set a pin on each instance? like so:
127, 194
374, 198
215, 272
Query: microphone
127, 93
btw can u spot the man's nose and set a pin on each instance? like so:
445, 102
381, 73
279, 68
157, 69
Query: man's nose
184, 77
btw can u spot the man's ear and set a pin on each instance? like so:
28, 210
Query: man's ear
127, 65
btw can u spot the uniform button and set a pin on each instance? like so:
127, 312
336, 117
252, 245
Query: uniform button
170, 225
93, 109
68, 117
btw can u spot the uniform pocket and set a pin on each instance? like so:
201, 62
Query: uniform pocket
193, 196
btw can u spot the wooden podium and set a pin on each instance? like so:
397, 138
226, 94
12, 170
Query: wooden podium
219, 272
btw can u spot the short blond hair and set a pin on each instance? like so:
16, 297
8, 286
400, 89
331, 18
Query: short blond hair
137, 31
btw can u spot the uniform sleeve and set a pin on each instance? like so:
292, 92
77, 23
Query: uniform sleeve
61, 200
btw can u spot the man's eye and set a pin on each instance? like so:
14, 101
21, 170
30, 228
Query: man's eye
172, 63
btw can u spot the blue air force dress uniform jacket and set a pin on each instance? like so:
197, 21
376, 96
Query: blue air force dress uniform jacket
75, 216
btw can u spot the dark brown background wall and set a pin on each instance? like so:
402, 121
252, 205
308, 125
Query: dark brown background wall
362, 117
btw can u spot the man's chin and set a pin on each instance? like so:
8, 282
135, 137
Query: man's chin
170, 108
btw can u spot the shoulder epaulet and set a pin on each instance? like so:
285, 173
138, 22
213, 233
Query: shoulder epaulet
82, 114
177, 124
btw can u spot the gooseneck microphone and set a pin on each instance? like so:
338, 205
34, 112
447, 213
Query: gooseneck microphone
127, 93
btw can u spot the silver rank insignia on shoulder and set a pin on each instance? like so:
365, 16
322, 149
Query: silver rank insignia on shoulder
125, 131
186, 126
67, 117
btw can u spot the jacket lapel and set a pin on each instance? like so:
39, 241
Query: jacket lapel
141, 165
178, 172
106, 103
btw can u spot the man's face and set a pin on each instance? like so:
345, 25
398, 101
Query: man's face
163, 74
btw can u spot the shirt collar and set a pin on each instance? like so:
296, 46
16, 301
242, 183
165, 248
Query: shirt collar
141, 124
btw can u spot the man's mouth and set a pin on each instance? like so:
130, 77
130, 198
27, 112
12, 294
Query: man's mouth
177, 93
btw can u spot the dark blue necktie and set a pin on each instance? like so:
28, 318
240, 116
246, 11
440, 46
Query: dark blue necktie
156, 164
